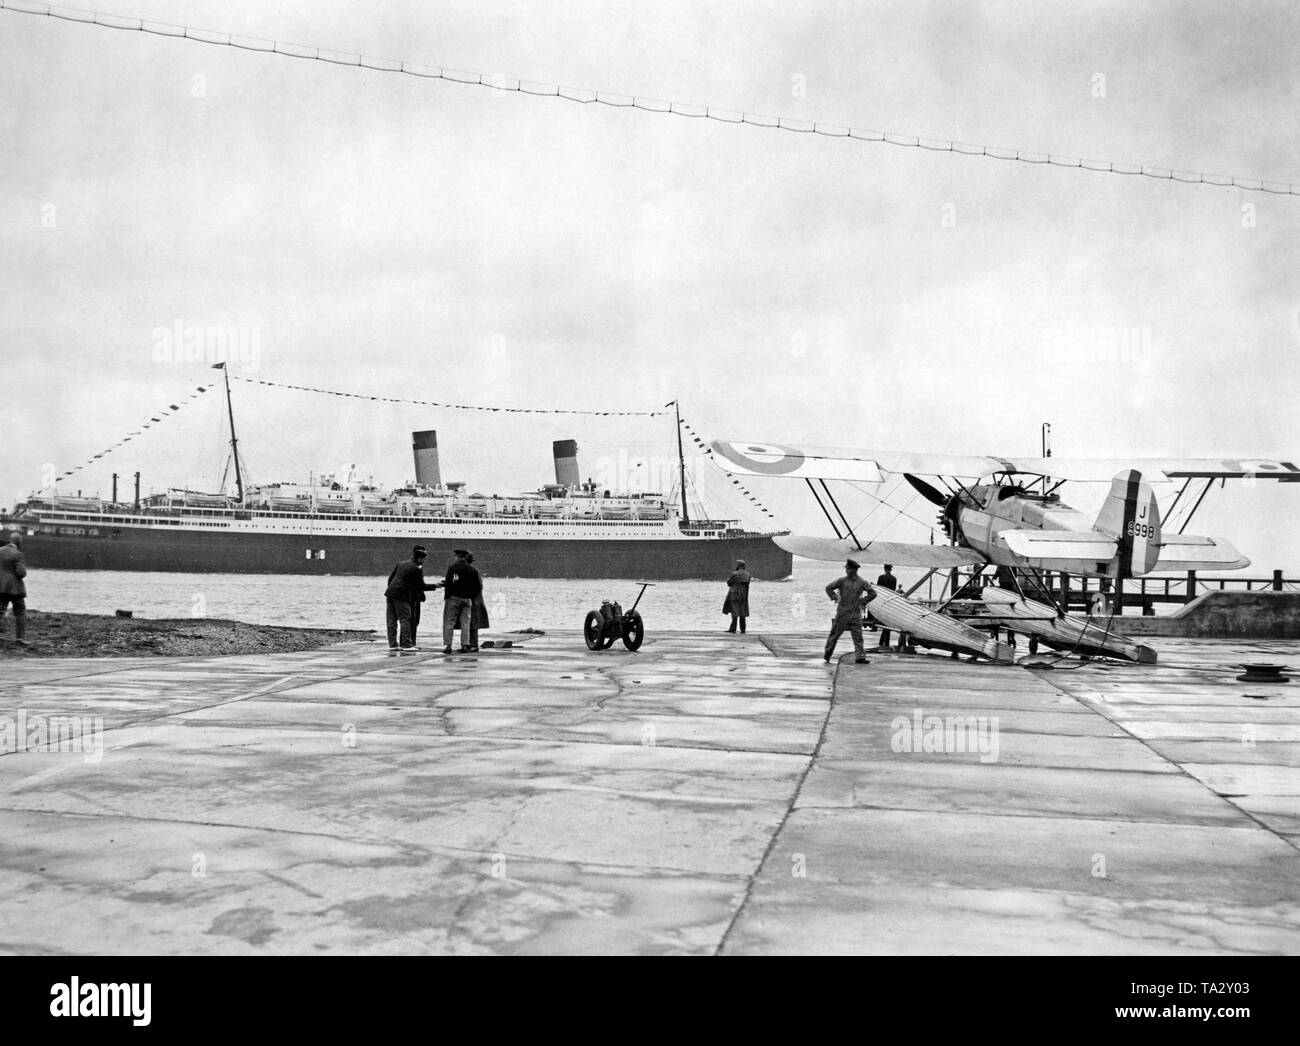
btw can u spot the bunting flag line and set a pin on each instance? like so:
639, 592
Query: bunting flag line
708, 452
172, 408
166, 412
454, 406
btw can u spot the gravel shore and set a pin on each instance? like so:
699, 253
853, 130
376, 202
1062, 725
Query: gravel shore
98, 635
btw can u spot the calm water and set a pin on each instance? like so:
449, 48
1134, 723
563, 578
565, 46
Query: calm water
358, 602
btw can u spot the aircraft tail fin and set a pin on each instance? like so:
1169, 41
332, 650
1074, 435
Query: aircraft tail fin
1131, 516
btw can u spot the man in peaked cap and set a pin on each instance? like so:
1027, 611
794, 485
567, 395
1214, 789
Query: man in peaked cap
889, 581
418, 555
850, 593
405, 593
460, 587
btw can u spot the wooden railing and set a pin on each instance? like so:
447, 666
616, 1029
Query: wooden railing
1074, 592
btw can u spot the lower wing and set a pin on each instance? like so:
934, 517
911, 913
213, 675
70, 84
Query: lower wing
896, 553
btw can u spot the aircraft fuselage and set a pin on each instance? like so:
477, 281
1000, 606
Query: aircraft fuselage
989, 510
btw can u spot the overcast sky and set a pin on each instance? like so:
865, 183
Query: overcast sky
406, 237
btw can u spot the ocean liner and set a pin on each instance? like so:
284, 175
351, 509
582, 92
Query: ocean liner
338, 524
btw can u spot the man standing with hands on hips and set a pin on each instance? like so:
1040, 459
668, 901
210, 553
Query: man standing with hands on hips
851, 593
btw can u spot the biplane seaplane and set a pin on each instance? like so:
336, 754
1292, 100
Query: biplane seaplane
1006, 513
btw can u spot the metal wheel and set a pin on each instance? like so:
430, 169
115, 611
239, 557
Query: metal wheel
593, 630
633, 630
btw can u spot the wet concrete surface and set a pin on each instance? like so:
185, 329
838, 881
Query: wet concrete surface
708, 794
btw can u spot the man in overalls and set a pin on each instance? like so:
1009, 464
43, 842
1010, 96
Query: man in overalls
851, 593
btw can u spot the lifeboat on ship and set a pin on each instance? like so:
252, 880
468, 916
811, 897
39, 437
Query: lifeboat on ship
78, 504
193, 500
423, 507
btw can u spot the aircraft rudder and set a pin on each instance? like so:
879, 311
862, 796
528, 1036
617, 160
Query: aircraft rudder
1155, 524
1131, 516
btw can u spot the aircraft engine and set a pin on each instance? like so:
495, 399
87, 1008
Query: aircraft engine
950, 518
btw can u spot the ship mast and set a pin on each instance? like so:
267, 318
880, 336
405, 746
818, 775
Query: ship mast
681, 460
234, 443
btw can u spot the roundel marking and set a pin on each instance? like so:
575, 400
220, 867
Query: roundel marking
764, 458
1257, 466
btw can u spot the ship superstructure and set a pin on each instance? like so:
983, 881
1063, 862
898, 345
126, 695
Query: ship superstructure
341, 523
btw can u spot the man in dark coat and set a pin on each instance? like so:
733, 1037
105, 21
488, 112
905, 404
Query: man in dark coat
737, 602
478, 617
887, 580
850, 593
460, 587
415, 603
405, 592
12, 588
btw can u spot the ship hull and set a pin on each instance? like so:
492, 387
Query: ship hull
187, 551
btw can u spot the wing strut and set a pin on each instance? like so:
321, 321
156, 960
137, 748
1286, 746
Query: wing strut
1169, 515
924, 578
840, 512
958, 588
818, 499
1044, 586
1205, 490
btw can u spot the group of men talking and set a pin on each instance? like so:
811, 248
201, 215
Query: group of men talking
462, 608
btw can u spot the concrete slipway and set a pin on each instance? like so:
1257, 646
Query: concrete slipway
710, 794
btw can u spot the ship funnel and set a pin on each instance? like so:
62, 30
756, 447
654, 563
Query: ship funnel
425, 447
566, 463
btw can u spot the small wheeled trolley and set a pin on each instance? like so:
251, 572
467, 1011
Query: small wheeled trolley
609, 623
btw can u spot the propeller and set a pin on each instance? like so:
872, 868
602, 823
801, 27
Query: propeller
950, 503
933, 496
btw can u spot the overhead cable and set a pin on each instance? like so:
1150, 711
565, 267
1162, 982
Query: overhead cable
591, 96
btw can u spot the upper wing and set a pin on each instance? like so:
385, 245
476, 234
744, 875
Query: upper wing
768, 459
871, 466
898, 553
1102, 469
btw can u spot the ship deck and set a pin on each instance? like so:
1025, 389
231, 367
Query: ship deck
709, 794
